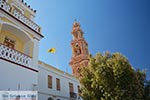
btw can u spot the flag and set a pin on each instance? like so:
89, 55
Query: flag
52, 50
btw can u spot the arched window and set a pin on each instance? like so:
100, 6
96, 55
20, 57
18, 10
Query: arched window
78, 70
50, 98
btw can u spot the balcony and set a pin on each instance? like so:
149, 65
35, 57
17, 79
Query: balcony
14, 56
18, 15
73, 95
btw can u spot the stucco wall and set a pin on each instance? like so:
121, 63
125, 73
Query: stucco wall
45, 92
12, 75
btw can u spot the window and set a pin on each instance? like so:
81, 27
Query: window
79, 91
78, 70
58, 84
50, 98
71, 87
9, 42
49, 81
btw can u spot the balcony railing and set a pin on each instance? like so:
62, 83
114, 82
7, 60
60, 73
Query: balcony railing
25, 20
73, 95
5, 6
14, 56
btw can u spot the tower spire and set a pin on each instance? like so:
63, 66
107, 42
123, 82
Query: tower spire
79, 50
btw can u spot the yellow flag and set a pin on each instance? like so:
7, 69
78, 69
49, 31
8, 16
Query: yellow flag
52, 50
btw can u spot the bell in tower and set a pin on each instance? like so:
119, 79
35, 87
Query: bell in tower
80, 52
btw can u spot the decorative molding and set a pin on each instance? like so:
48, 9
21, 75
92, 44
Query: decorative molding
23, 23
20, 17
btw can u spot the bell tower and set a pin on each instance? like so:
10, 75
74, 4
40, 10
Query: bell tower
80, 52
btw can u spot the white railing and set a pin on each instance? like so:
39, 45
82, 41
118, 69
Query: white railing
14, 56
5, 6
25, 20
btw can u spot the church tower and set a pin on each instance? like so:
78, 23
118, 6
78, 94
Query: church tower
79, 50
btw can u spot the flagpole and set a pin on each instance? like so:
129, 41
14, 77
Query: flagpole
56, 60
53, 50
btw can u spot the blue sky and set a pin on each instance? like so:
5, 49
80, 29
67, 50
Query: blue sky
109, 25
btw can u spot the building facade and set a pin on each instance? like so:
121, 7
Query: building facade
80, 51
19, 43
20, 68
56, 84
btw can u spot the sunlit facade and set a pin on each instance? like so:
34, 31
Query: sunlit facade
80, 51
20, 68
56, 84
19, 43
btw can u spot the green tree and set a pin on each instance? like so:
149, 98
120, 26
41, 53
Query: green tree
111, 77
147, 90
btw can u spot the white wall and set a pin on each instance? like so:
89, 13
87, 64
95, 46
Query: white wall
45, 92
11, 75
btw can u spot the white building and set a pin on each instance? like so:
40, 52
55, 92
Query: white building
19, 43
56, 84
19, 65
